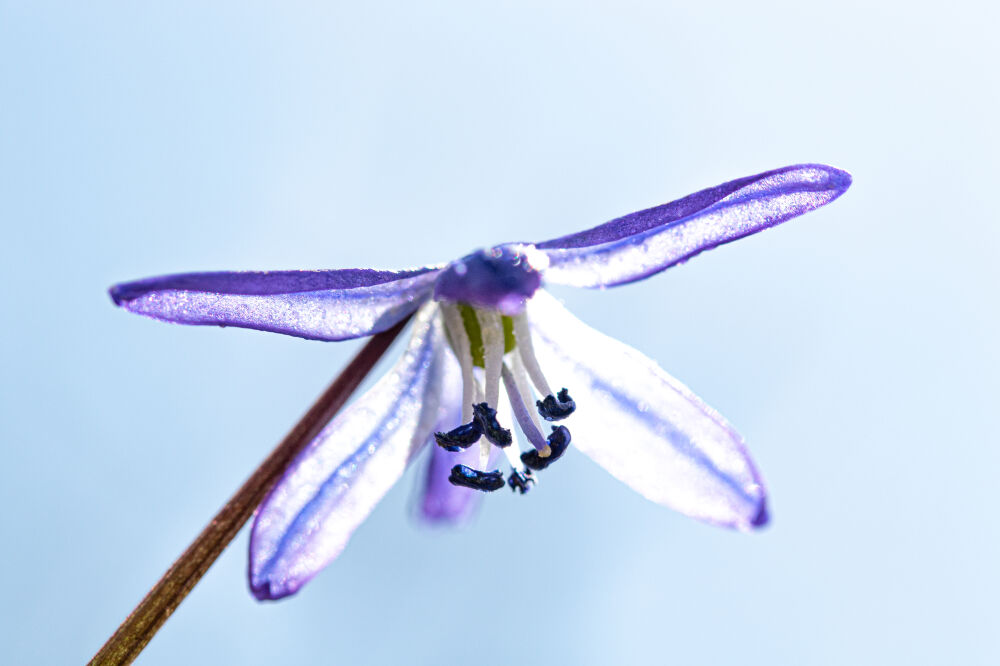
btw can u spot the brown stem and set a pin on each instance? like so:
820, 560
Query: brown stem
147, 618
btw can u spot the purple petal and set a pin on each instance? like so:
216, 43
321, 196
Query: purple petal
644, 243
319, 305
645, 427
339, 478
442, 502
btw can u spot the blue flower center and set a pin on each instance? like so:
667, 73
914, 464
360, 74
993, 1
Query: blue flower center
500, 278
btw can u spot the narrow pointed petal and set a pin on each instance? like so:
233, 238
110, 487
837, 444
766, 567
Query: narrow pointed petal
644, 426
642, 244
339, 478
318, 305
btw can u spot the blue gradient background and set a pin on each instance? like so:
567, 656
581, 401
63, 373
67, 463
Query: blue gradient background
855, 348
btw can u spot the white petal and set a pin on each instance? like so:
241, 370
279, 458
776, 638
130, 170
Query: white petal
339, 478
644, 426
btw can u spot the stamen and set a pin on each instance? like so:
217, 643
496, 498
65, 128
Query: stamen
459, 438
493, 349
552, 409
478, 395
486, 419
463, 351
524, 388
520, 480
558, 441
486, 329
467, 477
522, 333
521, 413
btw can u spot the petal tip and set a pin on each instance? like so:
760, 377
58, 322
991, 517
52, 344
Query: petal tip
442, 514
117, 294
840, 180
269, 590
763, 516
831, 178
125, 293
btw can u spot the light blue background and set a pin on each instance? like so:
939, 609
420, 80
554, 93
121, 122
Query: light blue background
855, 348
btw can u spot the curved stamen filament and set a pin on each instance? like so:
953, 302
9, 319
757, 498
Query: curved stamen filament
521, 413
522, 333
524, 389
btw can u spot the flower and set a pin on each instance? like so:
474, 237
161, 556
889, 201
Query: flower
484, 321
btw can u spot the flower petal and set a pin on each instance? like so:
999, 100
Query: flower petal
336, 481
444, 503
645, 427
636, 246
319, 305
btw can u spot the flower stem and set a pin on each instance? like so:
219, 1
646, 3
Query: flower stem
142, 624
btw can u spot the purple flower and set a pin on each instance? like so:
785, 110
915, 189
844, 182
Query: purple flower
483, 322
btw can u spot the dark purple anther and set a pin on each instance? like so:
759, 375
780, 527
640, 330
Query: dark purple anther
500, 278
467, 477
459, 438
486, 418
552, 409
519, 481
558, 441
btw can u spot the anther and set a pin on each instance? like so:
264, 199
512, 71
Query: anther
520, 481
558, 441
553, 409
459, 438
473, 478
486, 418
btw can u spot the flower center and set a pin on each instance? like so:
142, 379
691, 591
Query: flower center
501, 278
492, 348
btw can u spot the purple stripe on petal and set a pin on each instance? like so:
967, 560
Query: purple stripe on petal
644, 243
644, 426
319, 305
338, 479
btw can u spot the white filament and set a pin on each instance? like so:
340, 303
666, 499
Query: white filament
522, 333
492, 328
463, 350
484, 453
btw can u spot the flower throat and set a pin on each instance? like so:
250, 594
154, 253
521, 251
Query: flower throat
499, 345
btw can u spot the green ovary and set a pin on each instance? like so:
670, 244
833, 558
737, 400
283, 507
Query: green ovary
475, 333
